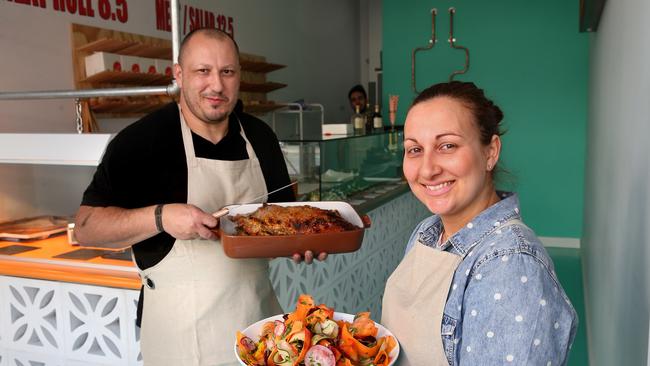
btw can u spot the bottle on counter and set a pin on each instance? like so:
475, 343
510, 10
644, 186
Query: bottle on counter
377, 121
358, 121
369, 116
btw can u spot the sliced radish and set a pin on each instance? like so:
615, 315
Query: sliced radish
279, 328
319, 356
248, 344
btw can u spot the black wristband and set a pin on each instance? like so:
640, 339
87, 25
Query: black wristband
158, 215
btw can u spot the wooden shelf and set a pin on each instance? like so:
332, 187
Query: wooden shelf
261, 67
260, 88
127, 77
88, 39
115, 107
129, 48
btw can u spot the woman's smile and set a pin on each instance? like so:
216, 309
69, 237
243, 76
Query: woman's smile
438, 189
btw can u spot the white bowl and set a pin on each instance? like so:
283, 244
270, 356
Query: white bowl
254, 330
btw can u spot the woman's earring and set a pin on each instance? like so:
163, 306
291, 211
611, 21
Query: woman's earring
489, 167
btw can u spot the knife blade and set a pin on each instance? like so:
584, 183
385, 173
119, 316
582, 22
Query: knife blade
224, 211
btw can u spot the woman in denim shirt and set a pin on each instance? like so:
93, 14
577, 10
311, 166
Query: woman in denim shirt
476, 286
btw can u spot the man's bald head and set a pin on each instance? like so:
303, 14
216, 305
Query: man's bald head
208, 32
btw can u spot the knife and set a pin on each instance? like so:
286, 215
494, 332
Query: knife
224, 211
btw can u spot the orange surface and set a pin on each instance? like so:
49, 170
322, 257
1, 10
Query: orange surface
39, 264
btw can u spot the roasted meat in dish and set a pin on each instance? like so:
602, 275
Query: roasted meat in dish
290, 220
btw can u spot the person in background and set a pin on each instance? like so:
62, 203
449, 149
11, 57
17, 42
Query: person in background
476, 286
358, 97
154, 191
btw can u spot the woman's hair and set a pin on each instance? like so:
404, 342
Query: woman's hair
486, 114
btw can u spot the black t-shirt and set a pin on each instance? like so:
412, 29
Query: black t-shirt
145, 165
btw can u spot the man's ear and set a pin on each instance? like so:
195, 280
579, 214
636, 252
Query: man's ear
178, 75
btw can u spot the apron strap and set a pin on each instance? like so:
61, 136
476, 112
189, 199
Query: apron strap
249, 147
188, 143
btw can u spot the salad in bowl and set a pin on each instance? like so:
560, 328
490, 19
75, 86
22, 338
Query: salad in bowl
316, 335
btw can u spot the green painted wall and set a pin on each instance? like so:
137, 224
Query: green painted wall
532, 61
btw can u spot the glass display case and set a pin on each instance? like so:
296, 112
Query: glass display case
353, 168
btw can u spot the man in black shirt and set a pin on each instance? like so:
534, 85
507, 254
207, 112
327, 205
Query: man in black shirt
155, 189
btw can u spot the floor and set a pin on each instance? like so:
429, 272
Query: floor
569, 270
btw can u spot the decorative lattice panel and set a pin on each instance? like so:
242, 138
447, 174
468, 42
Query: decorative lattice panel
135, 357
50, 323
30, 359
32, 316
95, 324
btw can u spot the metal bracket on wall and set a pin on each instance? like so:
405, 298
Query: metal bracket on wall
432, 43
452, 41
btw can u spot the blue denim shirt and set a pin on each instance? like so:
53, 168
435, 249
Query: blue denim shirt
505, 305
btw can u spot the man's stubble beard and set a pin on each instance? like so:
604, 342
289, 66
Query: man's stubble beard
220, 117
195, 109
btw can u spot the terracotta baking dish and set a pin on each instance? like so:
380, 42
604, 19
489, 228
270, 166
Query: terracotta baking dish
243, 246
